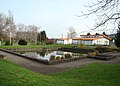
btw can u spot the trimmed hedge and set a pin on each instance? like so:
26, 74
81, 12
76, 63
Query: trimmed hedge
22, 42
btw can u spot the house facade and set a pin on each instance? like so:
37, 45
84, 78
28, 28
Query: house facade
64, 41
87, 40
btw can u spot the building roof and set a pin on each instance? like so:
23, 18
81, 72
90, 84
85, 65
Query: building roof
107, 37
88, 38
85, 38
99, 36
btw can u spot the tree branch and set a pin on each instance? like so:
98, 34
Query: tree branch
105, 10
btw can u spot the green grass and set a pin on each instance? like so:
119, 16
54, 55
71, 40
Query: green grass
38, 46
110, 48
95, 74
13, 75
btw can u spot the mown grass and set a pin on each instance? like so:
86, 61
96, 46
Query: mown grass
13, 75
108, 48
96, 74
38, 46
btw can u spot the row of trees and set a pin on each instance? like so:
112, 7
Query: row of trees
30, 33
9, 31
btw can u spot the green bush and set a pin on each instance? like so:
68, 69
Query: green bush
82, 46
93, 54
7, 43
52, 58
22, 42
62, 57
68, 56
58, 58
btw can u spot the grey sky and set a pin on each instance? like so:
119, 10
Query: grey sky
53, 16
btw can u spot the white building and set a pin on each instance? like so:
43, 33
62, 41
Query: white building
87, 40
64, 41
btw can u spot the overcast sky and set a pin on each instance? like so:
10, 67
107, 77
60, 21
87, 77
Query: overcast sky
53, 16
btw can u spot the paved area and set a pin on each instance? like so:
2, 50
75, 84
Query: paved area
47, 69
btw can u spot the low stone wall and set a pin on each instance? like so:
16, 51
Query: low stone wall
76, 50
66, 60
103, 57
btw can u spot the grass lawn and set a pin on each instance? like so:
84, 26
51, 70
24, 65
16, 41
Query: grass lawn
109, 48
95, 74
38, 46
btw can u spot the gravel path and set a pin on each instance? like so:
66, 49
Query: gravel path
47, 69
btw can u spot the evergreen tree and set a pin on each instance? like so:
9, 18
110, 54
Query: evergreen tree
117, 37
42, 36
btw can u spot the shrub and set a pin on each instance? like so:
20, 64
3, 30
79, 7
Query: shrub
68, 56
93, 54
58, 58
82, 46
22, 42
62, 57
52, 58
8, 43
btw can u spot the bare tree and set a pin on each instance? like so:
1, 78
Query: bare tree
10, 30
22, 32
71, 33
33, 33
3, 25
29, 33
107, 11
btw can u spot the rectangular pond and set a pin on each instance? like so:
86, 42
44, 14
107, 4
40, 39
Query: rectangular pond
53, 56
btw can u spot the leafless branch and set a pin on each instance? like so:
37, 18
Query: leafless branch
105, 10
